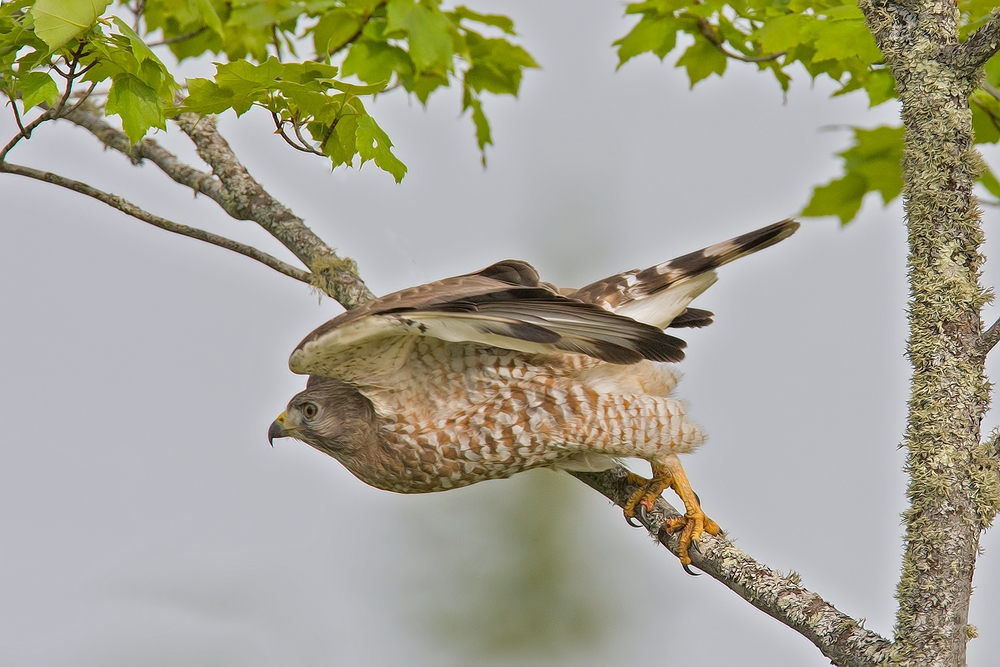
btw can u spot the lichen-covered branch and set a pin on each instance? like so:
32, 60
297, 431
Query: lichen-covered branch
245, 199
202, 182
134, 211
836, 634
966, 58
949, 391
988, 339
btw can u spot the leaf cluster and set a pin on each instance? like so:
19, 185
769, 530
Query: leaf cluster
827, 37
381, 44
824, 38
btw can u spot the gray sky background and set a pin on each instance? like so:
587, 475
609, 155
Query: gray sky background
145, 521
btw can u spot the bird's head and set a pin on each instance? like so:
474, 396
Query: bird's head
331, 415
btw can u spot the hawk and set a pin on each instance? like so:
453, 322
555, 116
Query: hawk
483, 375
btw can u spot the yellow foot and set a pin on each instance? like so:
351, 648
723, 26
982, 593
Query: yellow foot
647, 493
692, 525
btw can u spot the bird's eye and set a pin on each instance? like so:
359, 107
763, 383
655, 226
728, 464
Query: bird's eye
309, 410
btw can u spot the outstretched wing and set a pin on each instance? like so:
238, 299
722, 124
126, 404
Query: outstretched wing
660, 294
504, 305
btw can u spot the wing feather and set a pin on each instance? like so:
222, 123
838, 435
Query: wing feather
502, 306
619, 319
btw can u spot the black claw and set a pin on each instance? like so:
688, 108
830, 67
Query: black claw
630, 520
643, 516
688, 570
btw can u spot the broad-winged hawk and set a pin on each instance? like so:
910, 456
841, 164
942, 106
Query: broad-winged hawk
487, 374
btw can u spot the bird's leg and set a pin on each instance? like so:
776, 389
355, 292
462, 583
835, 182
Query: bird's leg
668, 473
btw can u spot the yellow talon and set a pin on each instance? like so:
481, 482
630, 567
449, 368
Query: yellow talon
694, 523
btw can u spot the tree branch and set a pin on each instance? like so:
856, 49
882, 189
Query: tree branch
178, 38
303, 147
981, 45
148, 149
708, 32
24, 130
50, 113
988, 339
836, 634
134, 211
245, 199
239, 195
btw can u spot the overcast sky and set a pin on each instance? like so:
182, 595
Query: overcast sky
145, 521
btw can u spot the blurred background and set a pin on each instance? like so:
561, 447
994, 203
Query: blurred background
145, 521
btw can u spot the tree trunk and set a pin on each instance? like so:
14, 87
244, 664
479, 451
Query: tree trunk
949, 392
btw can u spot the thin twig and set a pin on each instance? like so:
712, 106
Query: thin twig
239, 195
280, 126
749, 59
708, 33
69, 82
179, 38
392, 86
306, 144
25, 132
17, 116
85, 69
357, 33
134, 211
140, 9
49, 114
80, 102
329, 133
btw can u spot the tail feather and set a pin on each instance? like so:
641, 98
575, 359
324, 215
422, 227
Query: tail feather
660, 294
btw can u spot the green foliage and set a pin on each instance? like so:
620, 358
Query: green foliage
382, 44
871, 164
825, 37
37, 87
412, 44
822, 38
58, 21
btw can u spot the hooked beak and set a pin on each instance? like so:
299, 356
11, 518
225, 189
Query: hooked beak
277, 429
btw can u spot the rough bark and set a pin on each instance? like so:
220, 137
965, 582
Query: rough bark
948, 495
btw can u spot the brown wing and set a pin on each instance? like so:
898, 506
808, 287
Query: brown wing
504, 305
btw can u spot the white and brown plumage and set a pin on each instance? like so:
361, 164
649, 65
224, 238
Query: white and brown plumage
487, 374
